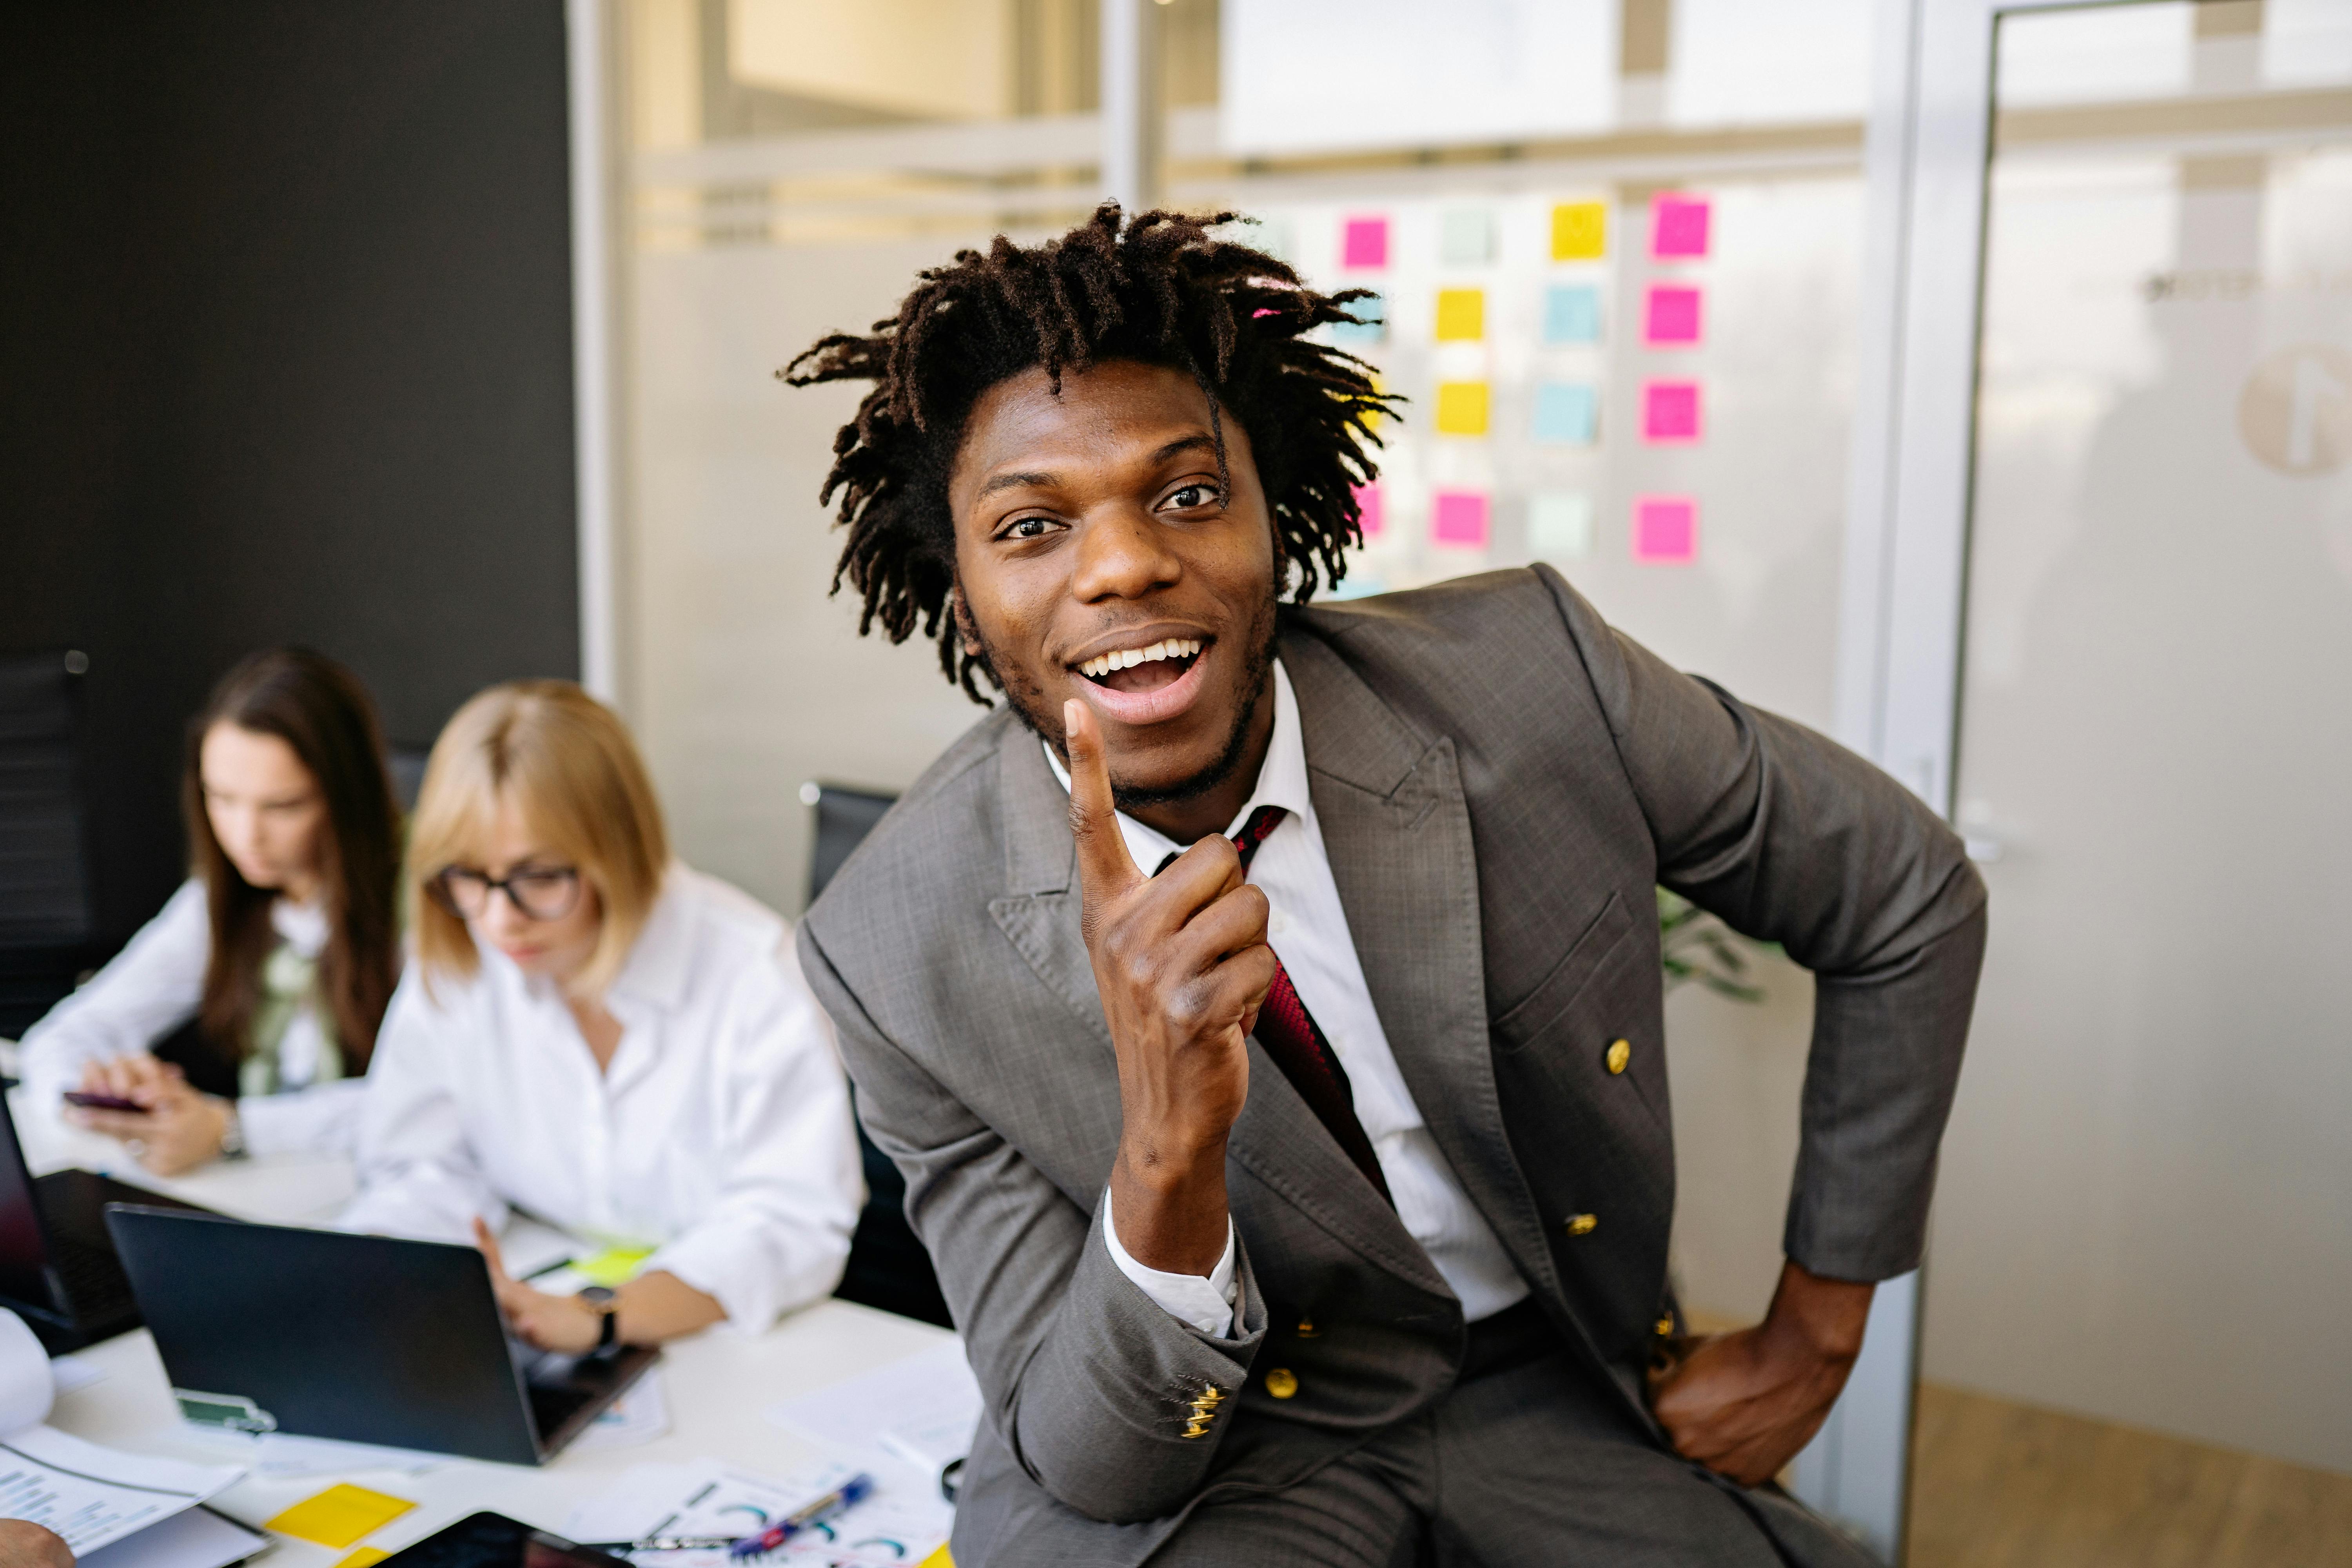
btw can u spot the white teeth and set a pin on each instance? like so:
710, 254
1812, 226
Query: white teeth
1128, 658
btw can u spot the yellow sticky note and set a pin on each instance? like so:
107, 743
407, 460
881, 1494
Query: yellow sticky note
365, 1557
1461, 315
615, 1266
1372, 422
1580, 231
340, 1515
1461, 408
938, 1559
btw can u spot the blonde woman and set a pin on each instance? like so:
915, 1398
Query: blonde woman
594, 1034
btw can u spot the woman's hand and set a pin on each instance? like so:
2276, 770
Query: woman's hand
563, 1323
646, 1310
178, 1130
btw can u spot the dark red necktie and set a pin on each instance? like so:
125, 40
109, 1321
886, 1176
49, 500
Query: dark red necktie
1291, 1037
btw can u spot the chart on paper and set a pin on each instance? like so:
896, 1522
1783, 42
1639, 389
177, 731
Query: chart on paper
902, 1523
91, 1495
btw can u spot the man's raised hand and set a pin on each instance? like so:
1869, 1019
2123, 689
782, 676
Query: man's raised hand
1181, 963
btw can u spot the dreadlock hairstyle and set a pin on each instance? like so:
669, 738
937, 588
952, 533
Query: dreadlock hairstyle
1161, 288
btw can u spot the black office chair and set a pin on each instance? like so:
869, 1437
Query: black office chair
47, 924
888, 1266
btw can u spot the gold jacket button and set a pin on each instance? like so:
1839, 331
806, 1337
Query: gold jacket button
1307, 1329
1665, 1327
1619, 1053
1281, 1383
1583, 1223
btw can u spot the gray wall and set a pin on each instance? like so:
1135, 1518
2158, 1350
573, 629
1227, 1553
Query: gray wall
286, 356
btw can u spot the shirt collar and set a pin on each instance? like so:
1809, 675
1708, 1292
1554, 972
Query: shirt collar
1281, 781
656, 970
303, 927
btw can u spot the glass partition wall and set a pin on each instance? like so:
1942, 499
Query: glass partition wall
1627, 337
2145, 1222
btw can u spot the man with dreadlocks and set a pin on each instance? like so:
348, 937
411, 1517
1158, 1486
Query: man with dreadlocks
1275, 1053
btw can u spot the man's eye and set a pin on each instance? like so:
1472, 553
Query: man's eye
1192, 496
1030, 528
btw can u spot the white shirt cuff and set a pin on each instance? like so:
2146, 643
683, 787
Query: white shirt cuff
1205, 1303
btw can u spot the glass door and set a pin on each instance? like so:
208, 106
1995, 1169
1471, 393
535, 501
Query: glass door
2143, 1239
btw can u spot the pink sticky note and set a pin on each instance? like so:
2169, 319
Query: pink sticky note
1671, 315
1364, 242
1678, 226
1368, 510
1670, 411
1666, 530
1461, 518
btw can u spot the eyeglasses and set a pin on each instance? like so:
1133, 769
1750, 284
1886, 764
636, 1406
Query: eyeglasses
537, 892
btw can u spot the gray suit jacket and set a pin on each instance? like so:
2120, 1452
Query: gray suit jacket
1501, 780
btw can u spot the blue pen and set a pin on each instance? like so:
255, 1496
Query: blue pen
855, 1490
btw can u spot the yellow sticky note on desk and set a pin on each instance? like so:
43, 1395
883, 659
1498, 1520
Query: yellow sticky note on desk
938, 1559
612, 1268
365, 1557
340, 1515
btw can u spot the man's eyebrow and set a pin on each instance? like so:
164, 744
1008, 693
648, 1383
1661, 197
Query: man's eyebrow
1031, 479
1184, 444
1016, 482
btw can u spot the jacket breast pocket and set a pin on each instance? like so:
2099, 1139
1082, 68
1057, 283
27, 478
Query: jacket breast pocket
1600, 943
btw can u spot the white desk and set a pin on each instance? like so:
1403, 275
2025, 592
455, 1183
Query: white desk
717, 1382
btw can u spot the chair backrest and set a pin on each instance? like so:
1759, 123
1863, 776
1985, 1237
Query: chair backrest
844, 818
47, 917
888, 1266
45, 895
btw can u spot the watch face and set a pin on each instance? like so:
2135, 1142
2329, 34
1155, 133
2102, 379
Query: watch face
596, 1295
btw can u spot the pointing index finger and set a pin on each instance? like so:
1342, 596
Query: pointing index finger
1105, 867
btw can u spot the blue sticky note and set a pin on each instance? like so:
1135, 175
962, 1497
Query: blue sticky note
1567, 412
1374, 315
1571, 313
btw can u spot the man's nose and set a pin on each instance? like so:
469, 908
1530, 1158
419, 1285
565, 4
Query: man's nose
1122, 555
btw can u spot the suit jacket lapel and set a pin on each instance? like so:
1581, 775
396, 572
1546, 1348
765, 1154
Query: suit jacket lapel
1039, 911
1397, 831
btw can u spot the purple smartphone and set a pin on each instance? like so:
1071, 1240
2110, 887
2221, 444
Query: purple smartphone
103, 1102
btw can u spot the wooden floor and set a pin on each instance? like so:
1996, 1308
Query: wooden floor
1997, 1485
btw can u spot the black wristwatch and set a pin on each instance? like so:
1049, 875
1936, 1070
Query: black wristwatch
608, 1310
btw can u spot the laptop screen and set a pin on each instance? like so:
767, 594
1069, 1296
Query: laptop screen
24, 1254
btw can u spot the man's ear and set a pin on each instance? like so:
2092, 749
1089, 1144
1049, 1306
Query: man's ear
965, 630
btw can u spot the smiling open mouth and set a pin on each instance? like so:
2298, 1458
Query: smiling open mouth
1146, 669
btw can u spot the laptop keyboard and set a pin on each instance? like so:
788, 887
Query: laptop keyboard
92, 1276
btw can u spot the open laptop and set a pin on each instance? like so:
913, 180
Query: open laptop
58, 1268
266, 1328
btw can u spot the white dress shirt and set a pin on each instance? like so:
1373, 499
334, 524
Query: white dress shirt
155, 985
1309, 931
720, 1134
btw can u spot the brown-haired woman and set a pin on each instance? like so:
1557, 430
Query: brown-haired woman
283, 946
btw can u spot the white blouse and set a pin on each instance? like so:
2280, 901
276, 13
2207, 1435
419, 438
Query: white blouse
155, 985
719, 1136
